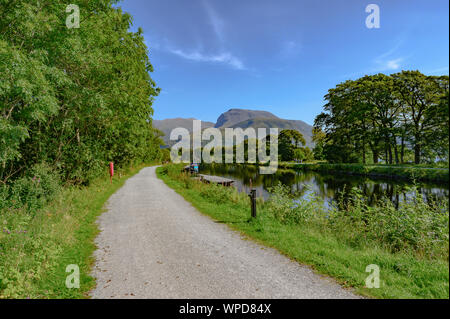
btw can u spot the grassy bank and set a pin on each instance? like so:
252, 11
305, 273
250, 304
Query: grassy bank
410, 245
37, 246
411, 173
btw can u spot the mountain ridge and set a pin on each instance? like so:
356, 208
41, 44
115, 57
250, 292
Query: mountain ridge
234, 118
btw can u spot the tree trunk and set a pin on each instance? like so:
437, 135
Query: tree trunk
417, 153
402, 151
375, 156
417, 149
396, 154
364, 152
386, 156
390, 153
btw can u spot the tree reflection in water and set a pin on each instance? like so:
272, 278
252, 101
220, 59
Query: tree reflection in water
328, 187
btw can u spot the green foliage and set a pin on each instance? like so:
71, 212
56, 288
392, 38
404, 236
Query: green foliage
35, 249
410, 244
386, 117
73, 98
216, 193
319, 140
289, 145
34, 190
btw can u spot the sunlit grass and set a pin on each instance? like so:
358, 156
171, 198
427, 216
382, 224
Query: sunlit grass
35, 250
406, 272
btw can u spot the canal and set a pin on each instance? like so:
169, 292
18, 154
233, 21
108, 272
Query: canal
326, 186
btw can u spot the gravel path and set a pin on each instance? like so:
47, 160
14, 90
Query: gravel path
154, 244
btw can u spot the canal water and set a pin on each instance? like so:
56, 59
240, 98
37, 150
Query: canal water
326, 186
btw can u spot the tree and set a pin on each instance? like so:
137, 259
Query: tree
386, 115
74, 98
319, 141
288, 142
421, 95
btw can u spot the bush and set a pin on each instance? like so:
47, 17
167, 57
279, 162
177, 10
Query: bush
34, 190
164, 170
284, 207
217, 193
414, 225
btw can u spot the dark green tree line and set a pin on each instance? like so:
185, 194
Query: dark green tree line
392, 118
73, 98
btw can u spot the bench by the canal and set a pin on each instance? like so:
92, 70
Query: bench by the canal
216, 180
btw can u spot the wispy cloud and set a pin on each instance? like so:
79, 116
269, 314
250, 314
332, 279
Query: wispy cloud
388, 61
394, 64
204, 51
216, 22
225, 58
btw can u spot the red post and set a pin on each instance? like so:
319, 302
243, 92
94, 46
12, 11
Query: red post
111, 171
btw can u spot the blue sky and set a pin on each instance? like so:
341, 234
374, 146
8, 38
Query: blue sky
280, 55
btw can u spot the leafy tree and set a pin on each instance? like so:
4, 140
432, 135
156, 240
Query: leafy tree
319, 141
288, 142
74, 98
386, 116
421, 96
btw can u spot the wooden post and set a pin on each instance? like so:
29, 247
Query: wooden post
253, 202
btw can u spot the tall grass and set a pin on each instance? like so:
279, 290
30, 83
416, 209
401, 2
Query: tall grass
45, 227
414, 226
409, 243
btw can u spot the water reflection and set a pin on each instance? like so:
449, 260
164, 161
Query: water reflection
327, 186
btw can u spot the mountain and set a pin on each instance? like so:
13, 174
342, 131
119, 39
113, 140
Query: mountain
235, 116
166, 126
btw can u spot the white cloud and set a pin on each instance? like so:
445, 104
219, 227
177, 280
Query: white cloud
387, 61
225, 57
216, 22
393, 64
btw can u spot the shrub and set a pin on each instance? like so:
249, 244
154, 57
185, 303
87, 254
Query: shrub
35, 189
286, 209
164, 170
217, 193
414, 225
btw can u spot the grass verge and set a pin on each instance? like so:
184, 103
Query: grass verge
36, 249
403, 274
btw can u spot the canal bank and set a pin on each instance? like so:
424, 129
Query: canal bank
327, 185
412, 255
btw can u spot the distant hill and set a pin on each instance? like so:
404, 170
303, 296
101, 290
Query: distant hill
235, 118
166, 126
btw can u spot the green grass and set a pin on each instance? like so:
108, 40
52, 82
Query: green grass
408, 172
403, 274
33, 263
